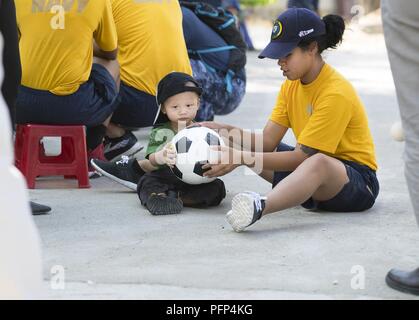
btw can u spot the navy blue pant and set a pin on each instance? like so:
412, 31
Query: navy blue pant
137, 109
90, 105
358, 194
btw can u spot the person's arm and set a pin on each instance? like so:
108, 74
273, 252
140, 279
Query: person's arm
147, 166
166, 156
229, 159
244, 139
107, 55
271, 137
322, 133
105, 43
279, 161
11, 57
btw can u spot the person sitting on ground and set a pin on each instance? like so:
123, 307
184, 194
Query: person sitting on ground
333, 166
157, 186
62, 84
151, 45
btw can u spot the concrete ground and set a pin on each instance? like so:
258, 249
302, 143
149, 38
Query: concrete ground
109, 247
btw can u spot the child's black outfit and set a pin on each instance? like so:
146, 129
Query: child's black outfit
161, 191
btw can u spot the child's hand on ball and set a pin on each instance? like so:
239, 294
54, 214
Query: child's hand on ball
167, 155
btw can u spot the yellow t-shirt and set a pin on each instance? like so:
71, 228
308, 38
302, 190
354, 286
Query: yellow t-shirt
327, 115
151, 42
56, 41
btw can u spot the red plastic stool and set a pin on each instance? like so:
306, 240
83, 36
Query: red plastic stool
31, 160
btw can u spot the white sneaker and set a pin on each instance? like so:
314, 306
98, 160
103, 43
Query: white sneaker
246, 209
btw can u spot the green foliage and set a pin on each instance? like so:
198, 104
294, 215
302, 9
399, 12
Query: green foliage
254, 3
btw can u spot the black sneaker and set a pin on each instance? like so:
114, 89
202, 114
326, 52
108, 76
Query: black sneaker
162, 204
120, 171
246, 209
127, 145
404, 281
38, 209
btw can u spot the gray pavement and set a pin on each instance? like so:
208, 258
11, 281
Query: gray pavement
112, 248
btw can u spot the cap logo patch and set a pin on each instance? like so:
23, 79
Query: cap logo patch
276, 30
305, 32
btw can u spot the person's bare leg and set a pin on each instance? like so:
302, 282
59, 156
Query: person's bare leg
320, 177
114, 131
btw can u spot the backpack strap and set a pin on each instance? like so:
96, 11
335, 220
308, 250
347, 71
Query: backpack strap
228, 80
227, 24
204, 12
212, 50
229, 74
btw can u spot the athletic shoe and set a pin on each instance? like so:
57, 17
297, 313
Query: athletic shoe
246, 209
120, 171
127, 145
38, 209
162, 204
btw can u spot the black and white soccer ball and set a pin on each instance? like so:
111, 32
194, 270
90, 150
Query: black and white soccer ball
193, 151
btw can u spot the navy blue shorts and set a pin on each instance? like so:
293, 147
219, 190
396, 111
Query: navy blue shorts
137, 109
90, 105
357, 195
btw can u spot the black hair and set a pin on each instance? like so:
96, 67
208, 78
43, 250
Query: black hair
335, 27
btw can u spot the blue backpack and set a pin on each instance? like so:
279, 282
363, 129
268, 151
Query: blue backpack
224, 24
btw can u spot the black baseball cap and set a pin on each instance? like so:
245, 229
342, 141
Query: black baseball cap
292, 26
170, 85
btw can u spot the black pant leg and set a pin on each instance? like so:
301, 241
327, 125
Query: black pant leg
159, 181
203, 195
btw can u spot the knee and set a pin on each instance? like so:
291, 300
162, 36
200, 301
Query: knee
318, 162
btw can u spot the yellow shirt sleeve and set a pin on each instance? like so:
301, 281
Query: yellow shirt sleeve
279, 114
327, 124
105, 34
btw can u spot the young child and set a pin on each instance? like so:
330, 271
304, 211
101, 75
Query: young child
160, 191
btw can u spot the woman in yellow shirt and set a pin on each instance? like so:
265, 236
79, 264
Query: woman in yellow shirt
333, 165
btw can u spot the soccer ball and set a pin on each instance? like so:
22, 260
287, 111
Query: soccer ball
193, 151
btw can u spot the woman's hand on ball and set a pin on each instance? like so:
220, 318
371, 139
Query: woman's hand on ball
222, 161
218, 170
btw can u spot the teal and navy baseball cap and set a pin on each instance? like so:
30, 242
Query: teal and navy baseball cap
291, 27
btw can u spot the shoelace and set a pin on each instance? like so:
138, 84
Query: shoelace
124, 160
257, 199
